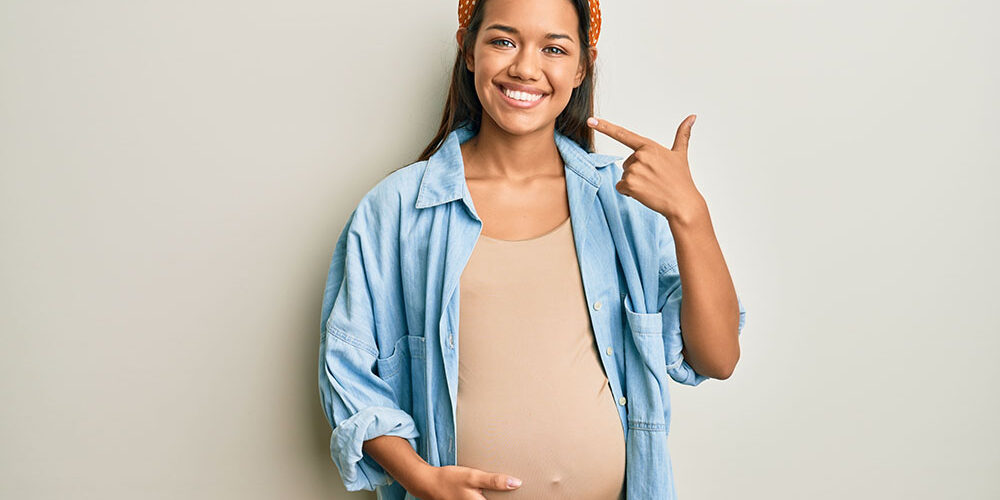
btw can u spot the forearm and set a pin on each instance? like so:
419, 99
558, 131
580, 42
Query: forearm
709, 308
399, 459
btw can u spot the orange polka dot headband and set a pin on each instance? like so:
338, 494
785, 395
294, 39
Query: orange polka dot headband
465, 14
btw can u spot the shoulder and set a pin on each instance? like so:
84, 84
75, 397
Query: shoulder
394, 195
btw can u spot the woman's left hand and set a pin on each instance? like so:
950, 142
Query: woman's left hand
657, 177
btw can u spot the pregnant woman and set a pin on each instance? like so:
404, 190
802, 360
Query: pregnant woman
548, 248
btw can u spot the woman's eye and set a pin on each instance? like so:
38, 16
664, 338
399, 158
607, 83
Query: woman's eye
499, 41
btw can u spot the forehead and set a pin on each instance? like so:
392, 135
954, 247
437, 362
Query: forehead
533, 16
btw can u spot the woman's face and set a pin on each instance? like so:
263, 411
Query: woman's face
527, 45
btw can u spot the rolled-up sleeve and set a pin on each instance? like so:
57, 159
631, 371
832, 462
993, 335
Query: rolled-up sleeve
358, 404
671, 294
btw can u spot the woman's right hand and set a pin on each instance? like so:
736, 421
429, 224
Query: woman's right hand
455, 482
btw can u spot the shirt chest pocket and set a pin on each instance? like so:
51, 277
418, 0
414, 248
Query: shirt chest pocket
647, 332
648, 401
405, 370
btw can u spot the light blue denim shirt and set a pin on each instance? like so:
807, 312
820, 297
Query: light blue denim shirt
389, 341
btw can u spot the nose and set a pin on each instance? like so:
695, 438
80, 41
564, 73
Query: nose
525, 65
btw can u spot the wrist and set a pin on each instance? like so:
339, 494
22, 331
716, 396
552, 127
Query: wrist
693, 214
422, 481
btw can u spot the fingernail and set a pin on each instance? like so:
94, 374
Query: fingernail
693, 119
513, 482
592, 121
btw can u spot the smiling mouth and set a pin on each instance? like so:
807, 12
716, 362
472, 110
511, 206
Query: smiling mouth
520, 95
520, 99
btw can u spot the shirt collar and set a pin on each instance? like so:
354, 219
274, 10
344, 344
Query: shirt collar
444, 176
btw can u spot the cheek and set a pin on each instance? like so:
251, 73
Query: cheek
566, 73
485, 74
484, 87
564, 80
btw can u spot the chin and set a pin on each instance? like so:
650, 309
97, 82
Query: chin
521, 125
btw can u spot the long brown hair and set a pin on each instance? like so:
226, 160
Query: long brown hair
463, 106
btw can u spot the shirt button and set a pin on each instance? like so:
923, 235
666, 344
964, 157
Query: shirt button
451, 340
597, 305
609, 351
621, 400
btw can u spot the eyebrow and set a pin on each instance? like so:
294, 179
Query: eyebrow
513, 30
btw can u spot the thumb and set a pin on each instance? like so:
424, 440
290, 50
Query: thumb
496, 481
683, 136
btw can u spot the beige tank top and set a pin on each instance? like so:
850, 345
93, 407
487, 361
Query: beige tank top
533, 399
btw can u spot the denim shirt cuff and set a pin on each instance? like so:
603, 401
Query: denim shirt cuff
358, 470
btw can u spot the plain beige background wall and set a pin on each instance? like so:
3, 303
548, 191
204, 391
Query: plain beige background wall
175, 175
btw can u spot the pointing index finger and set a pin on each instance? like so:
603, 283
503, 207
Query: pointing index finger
618, 133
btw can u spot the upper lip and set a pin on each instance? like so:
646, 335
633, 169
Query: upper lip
521, 88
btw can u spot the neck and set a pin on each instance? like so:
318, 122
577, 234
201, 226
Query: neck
496, 153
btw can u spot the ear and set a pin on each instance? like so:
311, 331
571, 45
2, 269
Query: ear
460, 38
581, 71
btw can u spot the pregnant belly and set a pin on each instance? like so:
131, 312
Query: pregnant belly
562, 444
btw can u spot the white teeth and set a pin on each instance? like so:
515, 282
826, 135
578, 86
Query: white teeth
521, 96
